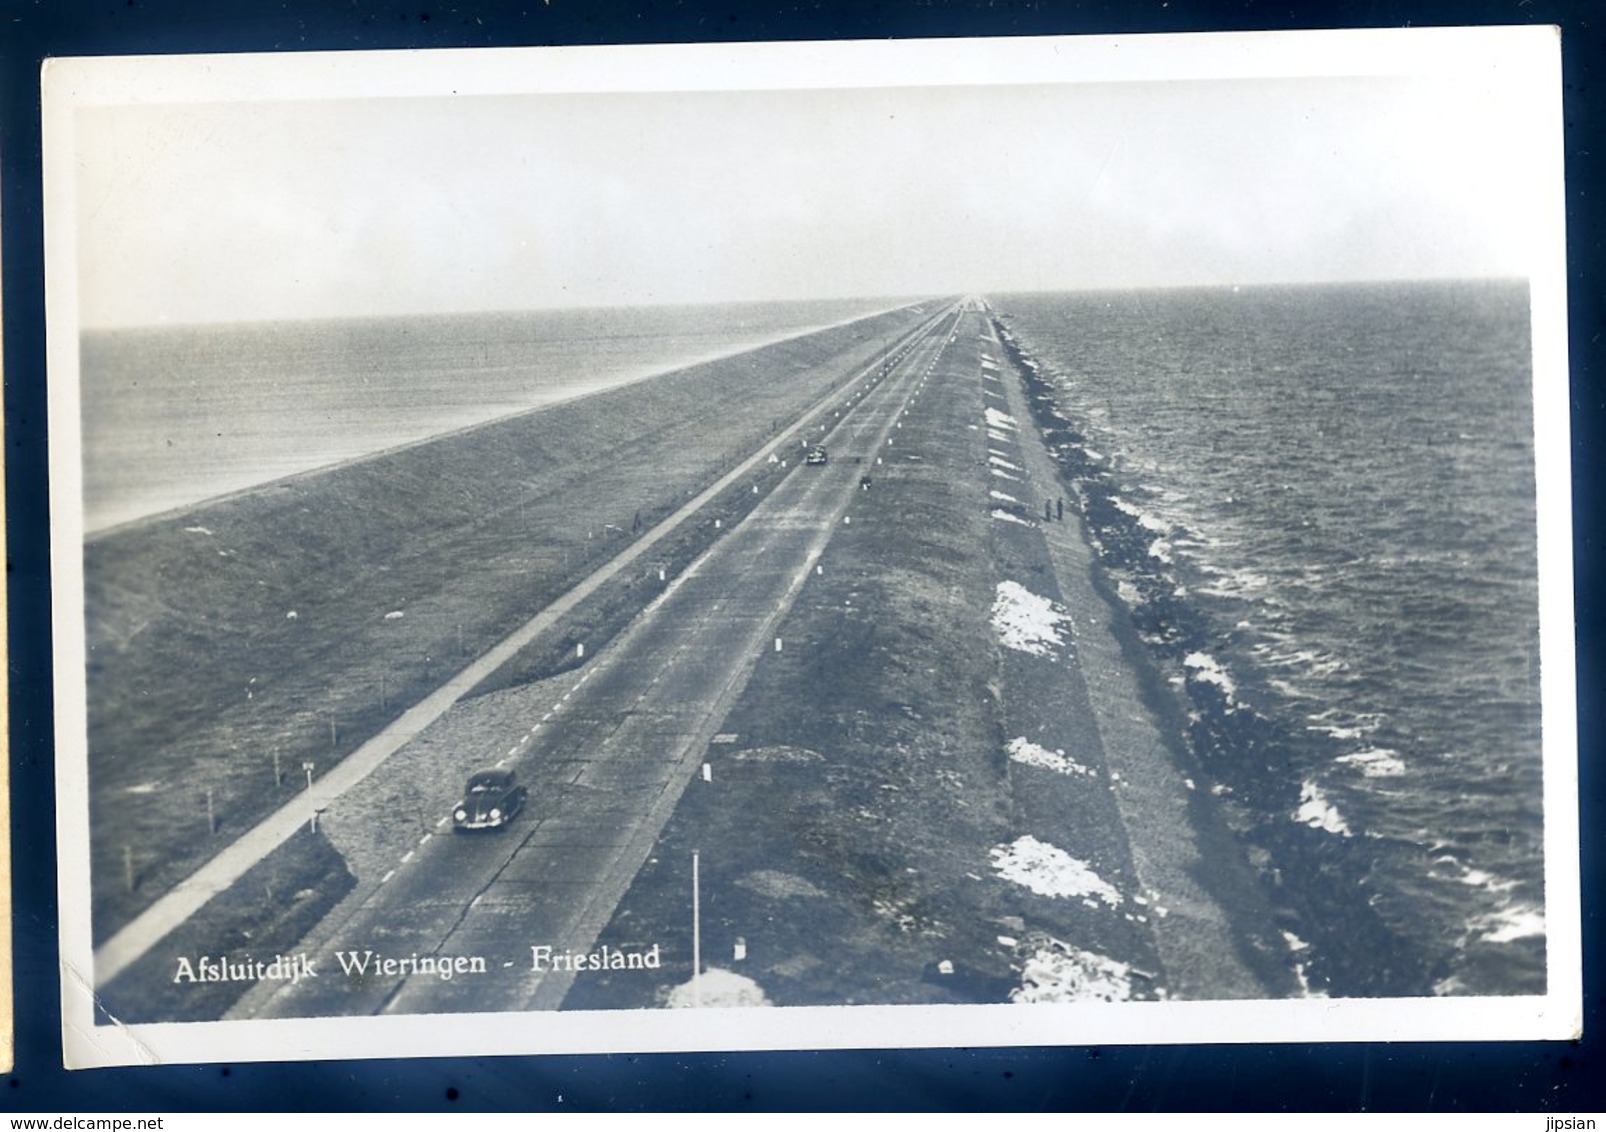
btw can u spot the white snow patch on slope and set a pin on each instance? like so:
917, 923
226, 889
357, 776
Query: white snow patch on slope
1027, 622
1050, 871
1023, 750
1059, 972
1011, 517
997, 418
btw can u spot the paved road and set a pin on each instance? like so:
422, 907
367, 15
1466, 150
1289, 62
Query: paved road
607, 765
217, 875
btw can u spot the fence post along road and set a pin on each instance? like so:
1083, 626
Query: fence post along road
607, 765
322, 795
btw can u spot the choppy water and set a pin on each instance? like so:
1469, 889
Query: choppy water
1320, 503
175, 415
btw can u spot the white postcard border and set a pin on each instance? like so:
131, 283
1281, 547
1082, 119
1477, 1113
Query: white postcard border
1527, 60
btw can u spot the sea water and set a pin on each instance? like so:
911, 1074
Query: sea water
1333, 486
1335, 483
172, 416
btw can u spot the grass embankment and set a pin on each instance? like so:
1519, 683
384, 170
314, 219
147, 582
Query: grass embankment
861, 787
263, 915
1318, 883
235, 642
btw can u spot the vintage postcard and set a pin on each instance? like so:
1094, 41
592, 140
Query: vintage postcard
813, 545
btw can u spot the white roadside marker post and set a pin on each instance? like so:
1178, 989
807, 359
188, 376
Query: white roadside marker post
696, 933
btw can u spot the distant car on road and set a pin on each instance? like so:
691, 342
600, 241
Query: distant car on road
490, 801
816, 455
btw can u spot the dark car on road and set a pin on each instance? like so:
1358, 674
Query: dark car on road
490, 801
816, 455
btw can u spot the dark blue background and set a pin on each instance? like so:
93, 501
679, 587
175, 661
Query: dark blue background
1551, 1077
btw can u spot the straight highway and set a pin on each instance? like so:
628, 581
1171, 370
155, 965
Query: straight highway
605, 766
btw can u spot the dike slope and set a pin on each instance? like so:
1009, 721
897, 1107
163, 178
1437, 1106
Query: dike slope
232, 643
915, 802
1296, 894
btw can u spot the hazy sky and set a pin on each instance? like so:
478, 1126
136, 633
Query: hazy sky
274, 209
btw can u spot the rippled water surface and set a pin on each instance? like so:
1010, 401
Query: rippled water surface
1341, 481
174, 415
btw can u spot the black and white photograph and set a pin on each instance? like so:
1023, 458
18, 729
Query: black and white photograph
970, 542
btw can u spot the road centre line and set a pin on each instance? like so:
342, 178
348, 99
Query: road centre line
603, 899
195, 891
